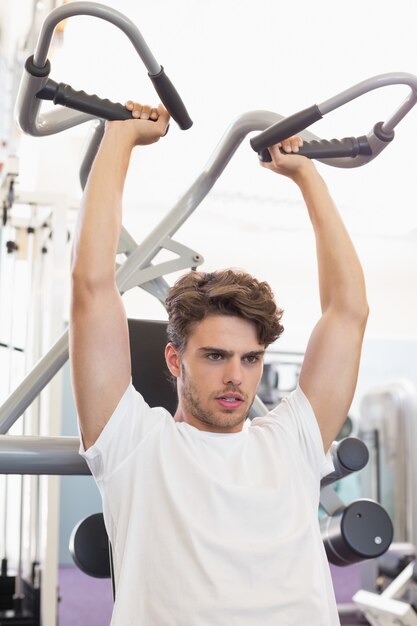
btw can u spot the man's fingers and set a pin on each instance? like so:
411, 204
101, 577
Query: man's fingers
159, 117
286, 145
140, 111
146, 112
292, 144
137, 110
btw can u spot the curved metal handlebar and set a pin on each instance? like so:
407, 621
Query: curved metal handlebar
35, 84
348, 152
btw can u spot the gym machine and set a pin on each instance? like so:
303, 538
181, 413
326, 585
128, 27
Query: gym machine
343, 528
389, 427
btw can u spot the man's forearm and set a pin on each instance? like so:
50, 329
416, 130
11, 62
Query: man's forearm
341, 279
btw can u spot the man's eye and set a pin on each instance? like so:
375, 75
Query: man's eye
251, 358
214, 356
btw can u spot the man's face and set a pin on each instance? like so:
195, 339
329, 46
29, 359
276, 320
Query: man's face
218, 373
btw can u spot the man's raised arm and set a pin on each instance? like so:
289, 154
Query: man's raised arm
99, 341
330, 368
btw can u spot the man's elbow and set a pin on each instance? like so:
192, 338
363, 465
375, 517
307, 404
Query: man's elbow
352, 313
359, 314
362, 310
89, 284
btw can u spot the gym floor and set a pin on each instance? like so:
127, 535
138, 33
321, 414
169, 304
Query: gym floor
86, 600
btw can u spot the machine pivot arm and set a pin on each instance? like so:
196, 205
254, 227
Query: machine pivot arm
35, 83
349, 152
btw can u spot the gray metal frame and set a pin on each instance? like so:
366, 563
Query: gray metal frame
365, 86
28, 114
378, 138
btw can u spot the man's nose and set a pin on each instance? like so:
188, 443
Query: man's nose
233, 372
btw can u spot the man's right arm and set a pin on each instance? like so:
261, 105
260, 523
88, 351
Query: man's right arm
99, 340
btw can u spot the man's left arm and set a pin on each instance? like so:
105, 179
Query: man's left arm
330, 369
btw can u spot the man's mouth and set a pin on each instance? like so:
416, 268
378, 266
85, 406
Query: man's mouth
230, 401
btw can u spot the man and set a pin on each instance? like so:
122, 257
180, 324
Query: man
212, 519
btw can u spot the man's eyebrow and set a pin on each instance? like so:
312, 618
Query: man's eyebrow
255, 353
208, 349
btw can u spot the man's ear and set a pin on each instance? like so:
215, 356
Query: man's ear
173, 359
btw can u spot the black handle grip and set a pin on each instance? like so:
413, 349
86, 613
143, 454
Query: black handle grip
63, 94
171, 99
285, 128
328, 149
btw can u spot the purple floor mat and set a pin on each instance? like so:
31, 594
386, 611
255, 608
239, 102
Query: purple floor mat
86, 601
346, 582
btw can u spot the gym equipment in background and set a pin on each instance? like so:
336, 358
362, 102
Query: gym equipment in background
389, 426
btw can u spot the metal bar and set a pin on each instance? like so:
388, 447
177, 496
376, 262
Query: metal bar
157, 288
399, 584
375, 82
33, 383
91, 151
330, 501
95, 10
389, 125
59, 119
28, 105
41, 455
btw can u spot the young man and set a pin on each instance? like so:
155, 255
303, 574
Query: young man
212, 518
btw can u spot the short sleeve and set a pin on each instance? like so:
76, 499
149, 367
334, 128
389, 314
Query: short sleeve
132, 420
295, 415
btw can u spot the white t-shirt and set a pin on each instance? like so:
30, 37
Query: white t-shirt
213, 529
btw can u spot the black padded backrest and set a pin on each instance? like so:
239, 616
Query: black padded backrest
150, 375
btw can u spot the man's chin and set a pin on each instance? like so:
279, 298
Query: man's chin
242, 411
230, 417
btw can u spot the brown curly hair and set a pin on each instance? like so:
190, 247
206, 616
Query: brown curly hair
227, 292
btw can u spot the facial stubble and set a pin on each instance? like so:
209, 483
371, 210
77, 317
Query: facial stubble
193, 402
